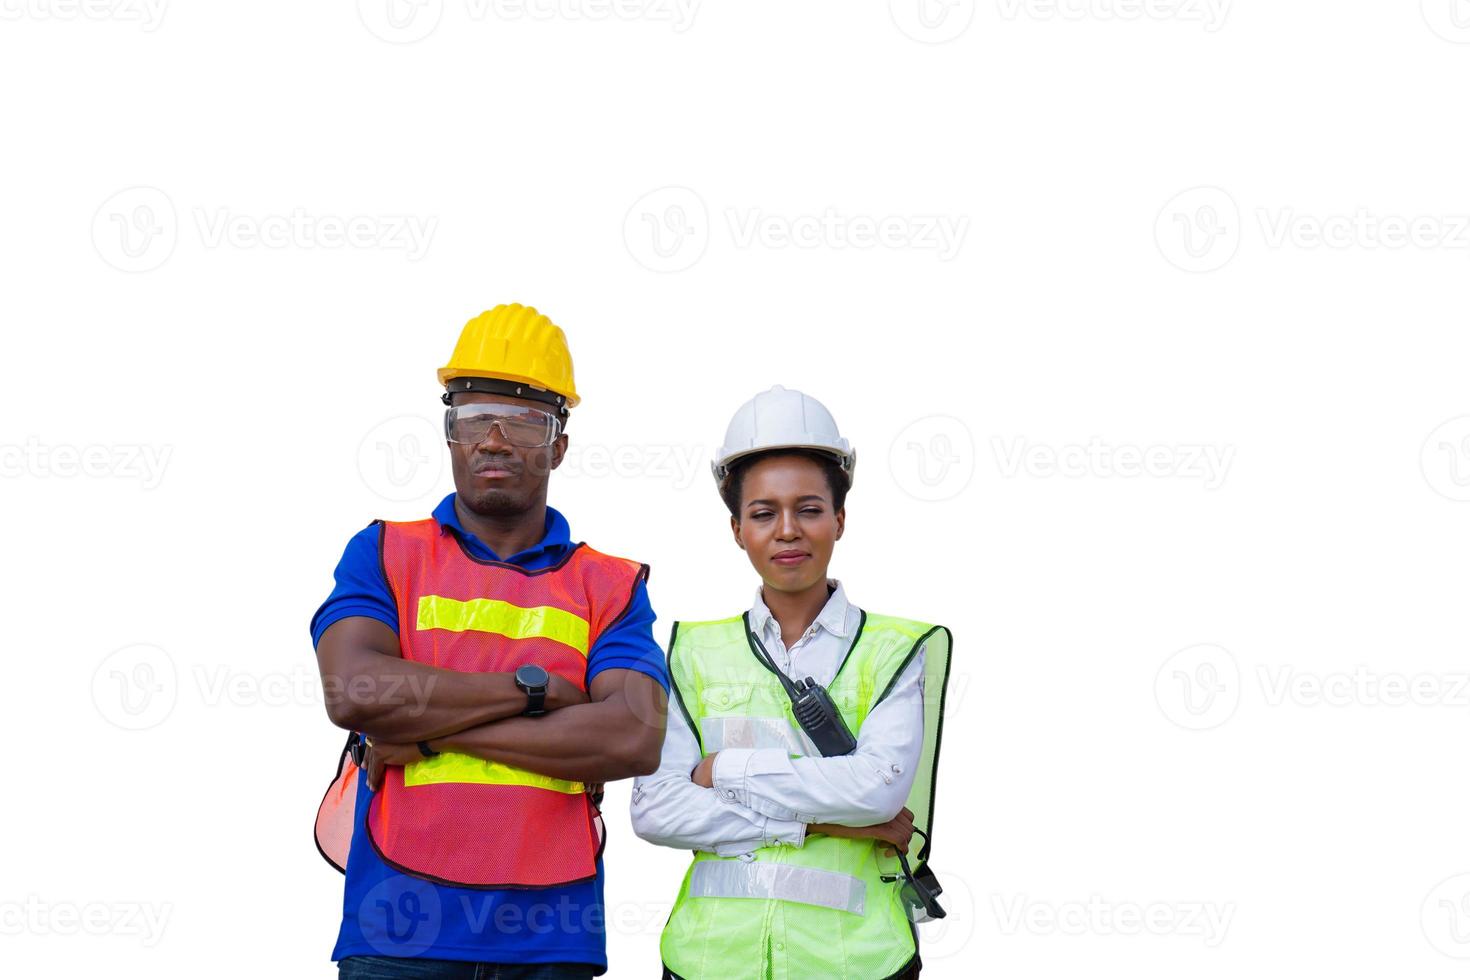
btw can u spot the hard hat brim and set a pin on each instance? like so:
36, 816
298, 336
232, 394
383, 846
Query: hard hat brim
448, 374
847, 461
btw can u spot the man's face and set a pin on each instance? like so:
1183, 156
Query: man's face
495, 478
787, 525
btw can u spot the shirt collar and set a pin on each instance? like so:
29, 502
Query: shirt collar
557, 533
832, 618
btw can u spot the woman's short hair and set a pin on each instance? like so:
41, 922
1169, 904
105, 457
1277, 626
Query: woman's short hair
730, 489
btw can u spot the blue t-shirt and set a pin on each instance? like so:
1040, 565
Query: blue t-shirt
386, 913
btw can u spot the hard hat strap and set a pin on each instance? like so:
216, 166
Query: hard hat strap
499, 386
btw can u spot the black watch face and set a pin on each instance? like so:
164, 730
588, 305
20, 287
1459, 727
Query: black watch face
532, 676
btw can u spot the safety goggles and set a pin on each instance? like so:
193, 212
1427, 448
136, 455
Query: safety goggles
920, 895
526, 428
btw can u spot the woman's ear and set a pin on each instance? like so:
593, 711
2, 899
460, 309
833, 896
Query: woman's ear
735, 530
841, 521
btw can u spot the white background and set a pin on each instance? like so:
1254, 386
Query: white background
1206, 719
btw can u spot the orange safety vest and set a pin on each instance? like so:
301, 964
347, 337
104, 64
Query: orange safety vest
454, 818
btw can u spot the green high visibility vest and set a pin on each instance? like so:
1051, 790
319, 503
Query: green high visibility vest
822, 909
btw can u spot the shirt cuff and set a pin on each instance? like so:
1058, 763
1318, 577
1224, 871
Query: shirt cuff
728, 775
792, 832
737, 777
773, 832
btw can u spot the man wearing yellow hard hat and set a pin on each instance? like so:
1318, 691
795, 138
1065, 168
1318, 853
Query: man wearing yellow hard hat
492, 674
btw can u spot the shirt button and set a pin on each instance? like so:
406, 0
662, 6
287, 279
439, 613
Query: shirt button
729, 794
780, 947
897, 771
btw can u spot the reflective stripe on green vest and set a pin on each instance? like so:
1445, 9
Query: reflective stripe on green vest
820, 910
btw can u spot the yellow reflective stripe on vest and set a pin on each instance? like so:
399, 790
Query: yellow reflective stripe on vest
788, 882
456, 767
505, 619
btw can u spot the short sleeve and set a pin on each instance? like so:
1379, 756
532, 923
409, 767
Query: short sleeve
628, 644
361, 588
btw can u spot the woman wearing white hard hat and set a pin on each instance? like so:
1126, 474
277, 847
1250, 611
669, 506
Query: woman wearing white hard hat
802, 755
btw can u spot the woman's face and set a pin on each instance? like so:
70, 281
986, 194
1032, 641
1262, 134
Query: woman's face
787, 525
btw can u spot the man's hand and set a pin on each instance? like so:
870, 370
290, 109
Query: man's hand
618, 733
379, 754
562, 693
370, 688
704, 773
895, 832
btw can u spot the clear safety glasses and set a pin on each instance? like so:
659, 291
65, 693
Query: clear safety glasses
920, 894
527, 428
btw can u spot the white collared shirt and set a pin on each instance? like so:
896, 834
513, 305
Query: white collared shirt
763, 796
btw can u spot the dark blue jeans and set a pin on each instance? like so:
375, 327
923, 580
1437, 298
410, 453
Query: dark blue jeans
393, 968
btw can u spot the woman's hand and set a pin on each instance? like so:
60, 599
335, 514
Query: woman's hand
895, 832
378, 754
704, 773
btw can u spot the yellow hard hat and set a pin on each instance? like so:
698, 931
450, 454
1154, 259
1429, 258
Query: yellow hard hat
512, 343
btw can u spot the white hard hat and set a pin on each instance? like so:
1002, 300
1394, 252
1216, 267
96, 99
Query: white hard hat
782, 419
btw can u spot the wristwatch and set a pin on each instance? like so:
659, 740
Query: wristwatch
533, 680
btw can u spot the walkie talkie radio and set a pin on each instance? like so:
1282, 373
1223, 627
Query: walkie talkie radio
818, 717
811, 705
